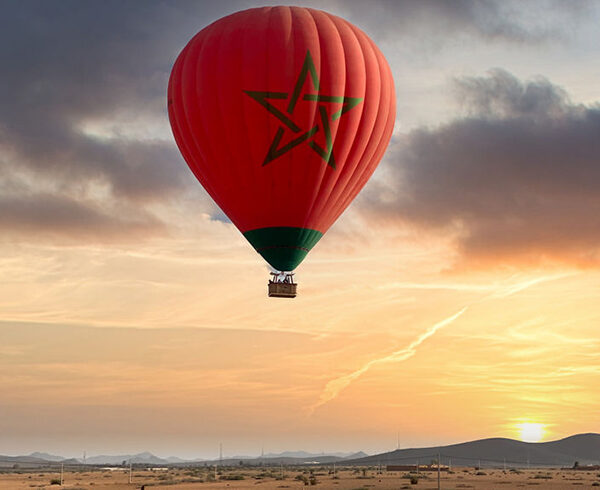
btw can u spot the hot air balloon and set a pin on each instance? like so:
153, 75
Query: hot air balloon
282, 114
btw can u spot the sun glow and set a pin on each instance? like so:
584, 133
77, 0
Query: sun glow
531, 432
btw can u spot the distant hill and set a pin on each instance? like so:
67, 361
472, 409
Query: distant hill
47, 457
175, 459
23, 461
584, 448
141, 458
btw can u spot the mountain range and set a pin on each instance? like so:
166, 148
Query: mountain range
581, 448
494, 452
287, 457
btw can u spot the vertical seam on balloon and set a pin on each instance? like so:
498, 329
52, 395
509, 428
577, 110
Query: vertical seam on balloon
248, 145
358, 183
272, 193
234, 175
304, 173
203, 149
324, 168
183, 125
196, 149
325, 203
334, 210
321, 172
290, 158
324, 199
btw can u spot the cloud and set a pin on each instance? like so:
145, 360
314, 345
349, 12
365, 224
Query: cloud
515, 179
48, 215
431, 21
65, 65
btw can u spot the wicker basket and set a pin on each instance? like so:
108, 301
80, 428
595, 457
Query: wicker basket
282, 289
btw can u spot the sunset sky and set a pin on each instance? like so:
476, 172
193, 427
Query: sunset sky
456, 299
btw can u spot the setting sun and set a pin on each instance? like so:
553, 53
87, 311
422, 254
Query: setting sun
531, 432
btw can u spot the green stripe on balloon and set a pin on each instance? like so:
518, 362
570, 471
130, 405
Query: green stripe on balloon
283, 247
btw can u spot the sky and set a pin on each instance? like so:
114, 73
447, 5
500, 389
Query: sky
455, 299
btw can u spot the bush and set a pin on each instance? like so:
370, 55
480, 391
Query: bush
414, 480
55, 481
232, 477
302, 478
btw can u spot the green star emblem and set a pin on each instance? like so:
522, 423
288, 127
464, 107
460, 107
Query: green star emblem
286, 118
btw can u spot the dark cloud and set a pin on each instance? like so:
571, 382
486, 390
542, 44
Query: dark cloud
433, 21
53, 217
517, 178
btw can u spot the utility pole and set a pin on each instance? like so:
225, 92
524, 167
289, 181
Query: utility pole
62, 473
504, 464
281, 469
439, 476
221, 454
130, 469
215, 472
417, 466
449, 464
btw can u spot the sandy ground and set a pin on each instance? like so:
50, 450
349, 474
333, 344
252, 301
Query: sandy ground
265, 479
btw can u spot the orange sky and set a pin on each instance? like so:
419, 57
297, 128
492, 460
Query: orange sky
124, 348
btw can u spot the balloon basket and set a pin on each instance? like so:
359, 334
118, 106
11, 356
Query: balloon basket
282, 285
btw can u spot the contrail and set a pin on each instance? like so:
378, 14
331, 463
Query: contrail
335, 386
517, 288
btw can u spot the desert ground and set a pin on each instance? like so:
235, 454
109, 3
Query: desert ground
296, 477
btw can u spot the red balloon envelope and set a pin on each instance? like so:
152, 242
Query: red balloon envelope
282, 113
